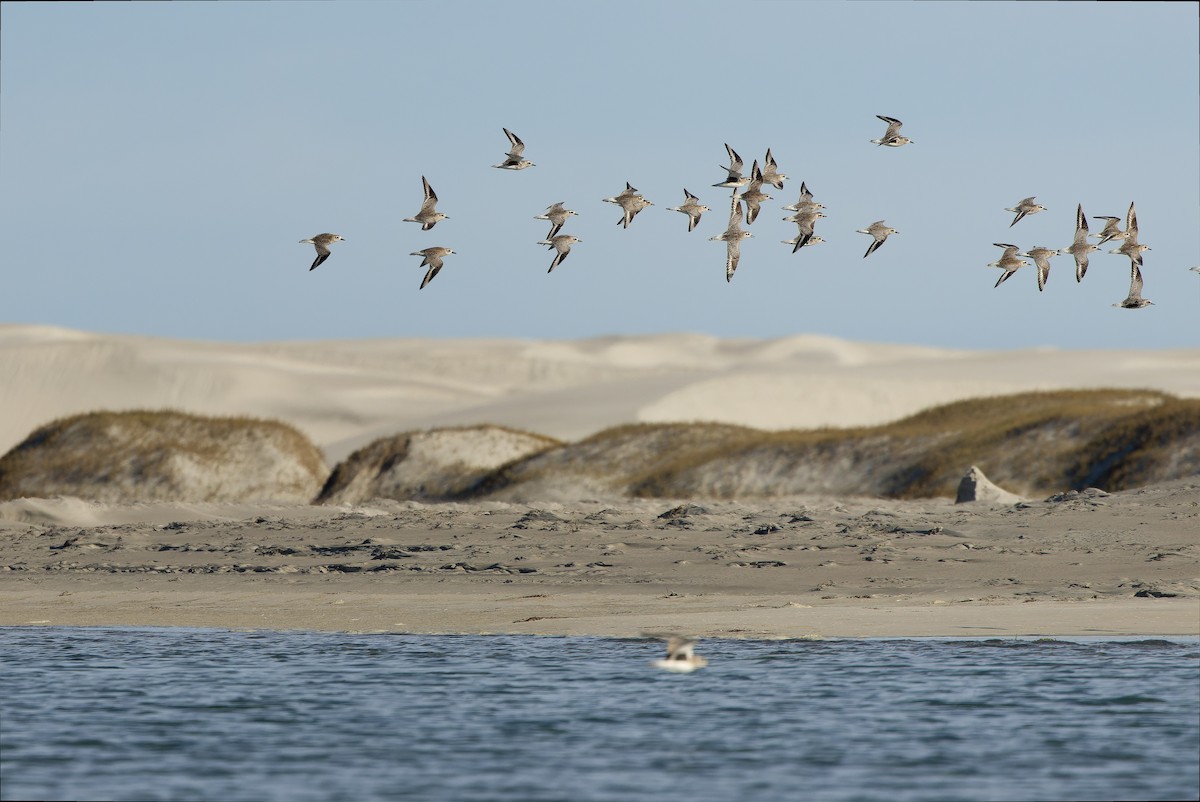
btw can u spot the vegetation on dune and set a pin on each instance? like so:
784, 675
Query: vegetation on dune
1032, 443
1023, 442
610, 457
145, 455
1146, 446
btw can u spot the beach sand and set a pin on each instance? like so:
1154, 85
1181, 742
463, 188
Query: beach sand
1088, 564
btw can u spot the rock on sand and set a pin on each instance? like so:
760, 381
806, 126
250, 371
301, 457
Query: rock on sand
977, 487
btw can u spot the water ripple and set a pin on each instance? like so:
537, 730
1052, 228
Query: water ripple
206, 714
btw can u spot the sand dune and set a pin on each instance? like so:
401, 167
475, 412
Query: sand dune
344, 395
163, 456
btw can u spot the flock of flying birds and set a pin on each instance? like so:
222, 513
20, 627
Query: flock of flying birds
1010, 260
746, 204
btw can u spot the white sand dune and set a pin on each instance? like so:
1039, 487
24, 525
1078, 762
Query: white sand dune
344, 394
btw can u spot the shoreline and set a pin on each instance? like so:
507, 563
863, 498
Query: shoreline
342, 606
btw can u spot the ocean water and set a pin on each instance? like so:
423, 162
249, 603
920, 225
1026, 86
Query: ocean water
185, 714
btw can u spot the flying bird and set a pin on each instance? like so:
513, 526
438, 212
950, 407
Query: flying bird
428, 216
562, 245
692, 207
770, 172
1023, 208
1008, 261
630, 202
514, 160
557, 214
752, 195
880, 232
1135, 300
1080, 248
891, 137
321, 242
797, 242
433, 258
805, 220
1041, 260
806, 201
735, 178
1112, 228
732, 237
1131, 247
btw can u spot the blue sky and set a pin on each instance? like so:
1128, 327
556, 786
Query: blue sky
159, 163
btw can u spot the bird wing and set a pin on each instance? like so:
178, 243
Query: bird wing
680, 648
733, 253
1131, 224
433, 271
735, 161
518, 147
1043, 271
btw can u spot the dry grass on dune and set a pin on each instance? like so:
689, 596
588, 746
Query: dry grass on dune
1030, 443
605, 463
1155, 444
163, 456
1033, 444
